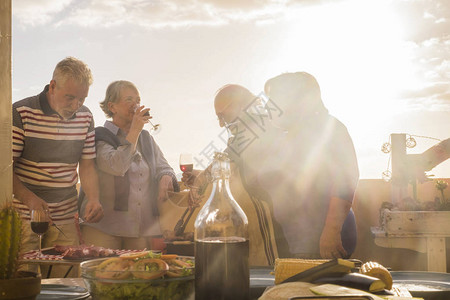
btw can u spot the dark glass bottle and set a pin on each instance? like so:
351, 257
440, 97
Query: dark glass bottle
221, 241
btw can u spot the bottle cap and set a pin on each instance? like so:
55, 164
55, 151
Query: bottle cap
221, 156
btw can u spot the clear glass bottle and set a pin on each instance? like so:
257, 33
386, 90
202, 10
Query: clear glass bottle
221, 241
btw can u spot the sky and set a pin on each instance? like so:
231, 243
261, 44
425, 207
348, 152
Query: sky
383, 66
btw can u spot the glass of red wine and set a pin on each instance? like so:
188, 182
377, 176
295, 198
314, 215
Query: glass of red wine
39, 224
186, 164
155, 127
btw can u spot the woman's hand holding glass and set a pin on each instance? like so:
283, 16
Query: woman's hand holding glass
143, 115
140, 118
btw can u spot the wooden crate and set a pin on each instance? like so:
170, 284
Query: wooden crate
417, 222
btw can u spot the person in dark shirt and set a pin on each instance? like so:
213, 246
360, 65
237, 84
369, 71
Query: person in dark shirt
243, 115
313, 175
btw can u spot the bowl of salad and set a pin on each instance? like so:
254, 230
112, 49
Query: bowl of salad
142, 275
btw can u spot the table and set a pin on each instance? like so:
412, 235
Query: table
69, 265
428, 285
260, 279
50, 258
430, 243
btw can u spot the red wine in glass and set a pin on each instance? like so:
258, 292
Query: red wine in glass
39, 224
186, 162
186, 165
39, 227
187, 168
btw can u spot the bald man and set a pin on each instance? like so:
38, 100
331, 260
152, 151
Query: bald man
246, 148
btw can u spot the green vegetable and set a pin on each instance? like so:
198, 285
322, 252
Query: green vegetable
163, 290
179, 288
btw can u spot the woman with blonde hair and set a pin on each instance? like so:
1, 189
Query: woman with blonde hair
133, 174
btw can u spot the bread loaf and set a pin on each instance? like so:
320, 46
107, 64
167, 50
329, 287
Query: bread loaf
375, 269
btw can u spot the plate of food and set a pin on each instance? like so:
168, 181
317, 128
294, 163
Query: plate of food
144, 275
62, 292
81, 252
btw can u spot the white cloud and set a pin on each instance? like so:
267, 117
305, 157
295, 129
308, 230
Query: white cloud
434, 96
427, 22
150, 13
172, 13
428, 30
38, 12
180, 13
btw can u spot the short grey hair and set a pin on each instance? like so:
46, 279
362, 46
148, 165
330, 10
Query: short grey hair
301, 90
113, 94
72, 68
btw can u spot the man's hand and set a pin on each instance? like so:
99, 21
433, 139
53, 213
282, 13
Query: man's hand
89, 180
189, 178
165, 184
26, 196
330, 240
93, 212
36, 203
331, 244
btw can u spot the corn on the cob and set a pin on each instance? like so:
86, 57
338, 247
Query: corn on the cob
377, 270
287, 267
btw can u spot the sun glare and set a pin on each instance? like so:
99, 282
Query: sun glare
356, 52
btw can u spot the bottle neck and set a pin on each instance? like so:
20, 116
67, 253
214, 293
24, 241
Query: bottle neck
220, 172
221, 216
221, 185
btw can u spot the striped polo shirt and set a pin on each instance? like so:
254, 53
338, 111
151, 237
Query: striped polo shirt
46, 151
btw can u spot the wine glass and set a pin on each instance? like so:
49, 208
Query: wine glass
187, 165
186, 162
155, 127
39, 224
